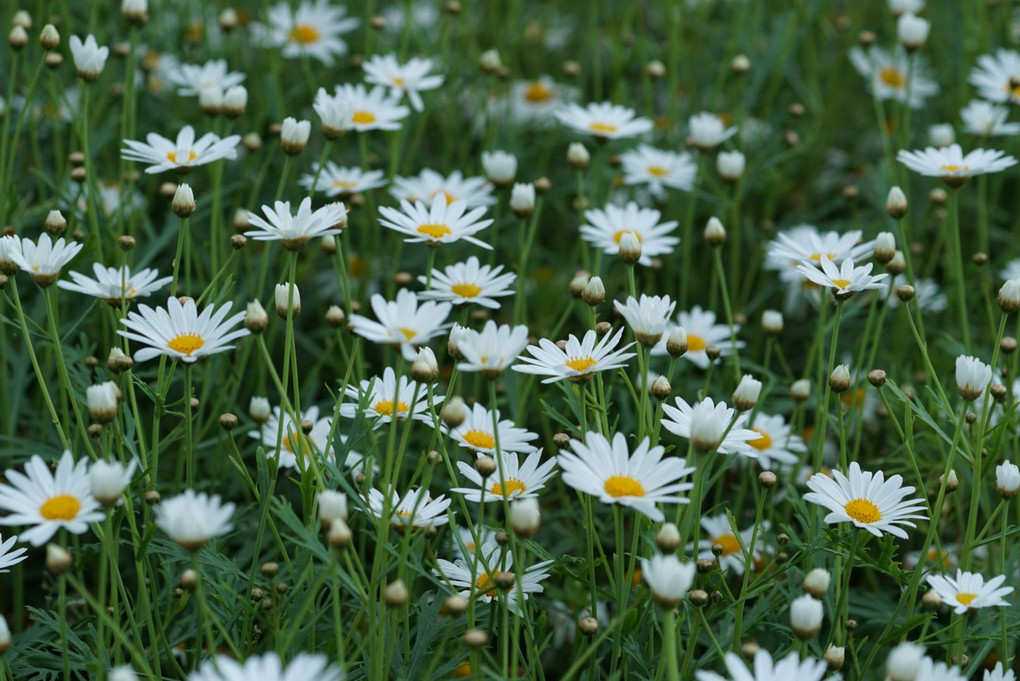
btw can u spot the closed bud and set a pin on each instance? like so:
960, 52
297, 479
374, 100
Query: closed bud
135, 11
660, 388
49, 37
339, 535
578, 156
500, 167
816, 582
912, 31
255, 318
876, 377
578, 282
18, 38
589, 626
941, 135
952, 483
905, 292
699, 597
485, 465
806, 616
475, 638
102, 401
898, 264
454, 412
396, 593
772, 322
490, 61
24, 19
730, 165
210, 100
767, 479
748, 391
904, 662
259, 409
676, 342
525, 517
455, 605
835, 656
288, 300
425, 369
740, 64
55, 223
594, 292
931, 601
228, 20
655, 69
800, 390
58, 560
668, 538
183, 203
335, 316
715, 233
839, 379
1009, 296
749, 650
294, 135
235, 100
630, 248
896, 203
522, 199
1007, 479
118, 361
885, 247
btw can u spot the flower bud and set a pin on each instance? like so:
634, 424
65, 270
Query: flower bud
730, 165
668, 538
816, 582
630, 248
210, 100
1007, 479
339, 535
396, 593
522, 199
490, 61
941, 135
839, 379
800, 390
332, 507
715, 233
183, 203
255, 319
525, 517
49, 37
806, 616
594, 292
102, 401
55, 223
454, 412
835, 656
660, 388
912, 31
747, 393
500, 167
578, 156
896, 203
772, 322
904, 662
885, 247
425, 368
235, 101
259, 409
294, 135
288, 299
135, 11
1009, 296
676, 342
58, 560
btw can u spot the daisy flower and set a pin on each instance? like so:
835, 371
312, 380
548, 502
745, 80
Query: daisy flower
443, 223
707, 131
429, 184
403, 322
180, 332
998, 674
192, 519
609, 471
112, 285
667, 578
970, 591
886, 74
986, 119
8, 557
49, 501
9, 245
313, 29
604, 120
468, 577
476, 433
388, 398
579, 360
373, 109
930, 670
658, 169
470, 282
490, 351
867, 500
702, 331
805, 242
191, 79
403, 79
416, 509
337, 181
776, 443
764, 669
268, 667
520, 479
465, 546
845, 279
605, 227
182, 154
294, 231
993, 76
717, 530
710, 425
533, 101
295, 441
647, 317
44, 260
952, 166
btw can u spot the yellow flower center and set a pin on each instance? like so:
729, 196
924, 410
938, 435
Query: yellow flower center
186, 343
304, 34
435, 231
763, 442
479, 439
620, 233
853, 398
486, 583
841, 283
340, 184
466, 290
950, 168
463, 670
363, 117
538, 92
60, 507
657, 171
695, 343
618, 486
728, 542
602, 128
450, 198
513, 488
408, 333
172, 157
299, 443
892, 77
388, 408
581, 364
817, 257
965, 598
863, 511
398, 81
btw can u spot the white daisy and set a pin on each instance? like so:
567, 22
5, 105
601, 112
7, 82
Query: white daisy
403, 322
532, 101
295, 441
930, 670
887, 75
998, 674
605, 227
470, 282
658, 169
667, 578
476, 433
604, 119
416, 509
49, 501
9, 245
441, 223
845, 279
388, 398
373, 109
993, 76
337, 181
776, 443
294, 231
969, 591
520, 479
112, 285
490, 351
268, 667
9, 557
790, 668
463, 543
578, 360
717, 530
44, 260
707, 131
191, 79
467, 576
180, 332
403, 79
609, 471
313, 29
702, 331
867, 500
972, 377
647, 317
951, 165
192, 519
805, 242
986, 119
710, 425
181, 154
429, 184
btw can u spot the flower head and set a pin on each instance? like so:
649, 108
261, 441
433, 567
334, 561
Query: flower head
707, 131
605, 228
658, 169
969, 590
429, 184
476, 433
191, 79
180, 332
480, 574
710, 425
416, 509
387, 398
470, 282
887, 75
736, 548
43, 260
972, 377
294, 231
579, 360
605, 120
337, 181
374, 109
113, 285
866, 499
181, 154
313, 29
192, 519
89, 57
403, 322
776, 442
647, 317
667, 578
268, 667
436, 224
408, 79
986, 119
846, 279
515, 479
492, 350
764, 669
993, 76
952, 165
702, 331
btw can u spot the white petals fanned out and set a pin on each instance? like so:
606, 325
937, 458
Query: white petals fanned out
403, 322
717, 532
969, 591
986, 119
113, 285
313, 29
295, 441
667, 578
43, 260
605, 228
993, 76
608, 471
514, 479
972, 377
335, 180
658, 169
710, 425
416, 509
492, 350
191, 79
478, 575
776, 443
427, 185
804, 242
387, 398
180, 332
647, 317
790, 668
440, 223
373, 109
867, 500
476, 433
845, 279
604, 119
702, 332
887, 75
192, 519
293, 231
578, 360
952, 165
268, 667
9, 557
181, 154
470, 282
411, 78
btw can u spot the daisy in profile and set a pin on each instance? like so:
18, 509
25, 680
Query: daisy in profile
191, 79
706, 131
268, 667
490, 351
43, 260
49, 501
415, 510
776, 444
182, 154
469, 577
607, 470
647, 317
403, 322
9, 557
427, 185
520, 479
403, 79
294, 231
192, 519
702, 331
440, 223
476, 433
605, 227
764, 669
313, 29
579, 360
845, 279
717, 531
952, 166
985, 119
113, 285
180, 332
470, 282
658, 169
337, 181
387, 398
373, 109
867, 500
710, 425
993, 76
969, 591
604, 120
886, 74
668, 579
